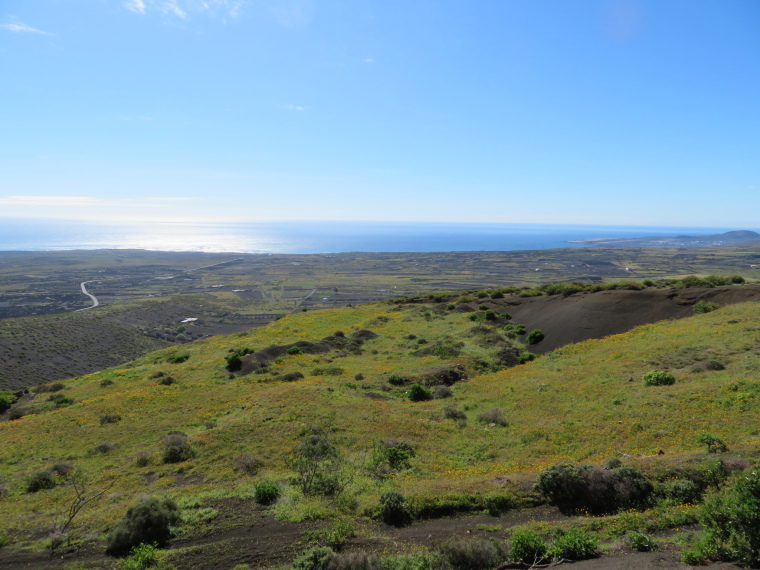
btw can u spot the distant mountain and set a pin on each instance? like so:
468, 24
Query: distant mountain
738, 237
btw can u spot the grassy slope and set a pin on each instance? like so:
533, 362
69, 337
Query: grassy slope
558, 407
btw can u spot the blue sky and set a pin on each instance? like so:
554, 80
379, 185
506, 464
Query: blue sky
591, 112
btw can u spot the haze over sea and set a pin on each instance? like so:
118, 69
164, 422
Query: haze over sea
311, 237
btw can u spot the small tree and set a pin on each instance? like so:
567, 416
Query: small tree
317, 462
714, 443
147, 522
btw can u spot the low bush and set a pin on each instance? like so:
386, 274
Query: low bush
526, 357
104, 447
266, 492
294, 350
418, 393
248, 464
493, 416
641, 542
109, 419
701, 307
440, 392
594, 489
454, 414
142, 458
39, 481
328, 371
5, 403
528, 548
167, 381
396, 453
731, 519
394, 509
575, 544
105, 383
658, 378
176, 448
316, 558
534, 336
147, 522
472, 554
177, 358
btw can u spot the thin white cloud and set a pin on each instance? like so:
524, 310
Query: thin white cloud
290, 107
171, 7
368, 60
294, 13
135, 6
22, 28
50, 201
183, 9
172, 199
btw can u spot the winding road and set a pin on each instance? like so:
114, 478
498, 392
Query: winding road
95, 301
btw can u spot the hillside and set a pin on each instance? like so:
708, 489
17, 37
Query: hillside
584, 402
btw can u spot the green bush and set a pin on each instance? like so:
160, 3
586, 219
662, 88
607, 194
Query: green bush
483, 307
528, 548
418, 393
575, 544
731, 519
316, 558
293, 350
39, 481
317, 462
147, 522
142, 556
714, 443
394, 509
177, 358
534, 336
641, 542
490, 315
526, 357
396, 453
705, 307
396, 380
5, 403
266, 492
658, 378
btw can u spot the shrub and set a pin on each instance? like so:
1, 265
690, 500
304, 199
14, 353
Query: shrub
394, 509
109, 419
534, 336
641, 542
454, 414
472, 554
658, 378
396, 380
316, 558
105, 383
147, 522
680, 491
39, 481
177, 358
418, 393
328, 371
483, 307
505, 316
142, 458
176, 448
5, 403
714, 443
62, 468
395, 452
61, 401
167, 381
493, 416
266, 492
526, 357
104, 447
248, 464
731, 519
317, 462
490, 315
293, 350
143, 556
575, 544
357, 561
440, 392
528, 548
54, 387
593, 489
704, 307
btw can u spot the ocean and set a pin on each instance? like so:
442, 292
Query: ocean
311, 237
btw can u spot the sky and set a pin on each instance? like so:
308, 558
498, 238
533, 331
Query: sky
614, 112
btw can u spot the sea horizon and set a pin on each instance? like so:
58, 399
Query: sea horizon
313, 237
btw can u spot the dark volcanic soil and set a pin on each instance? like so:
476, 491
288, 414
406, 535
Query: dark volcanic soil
566, 320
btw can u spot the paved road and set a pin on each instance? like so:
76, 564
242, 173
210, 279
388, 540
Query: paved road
95, 302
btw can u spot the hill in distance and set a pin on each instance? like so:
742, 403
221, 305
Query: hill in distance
733, 238
420, 396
